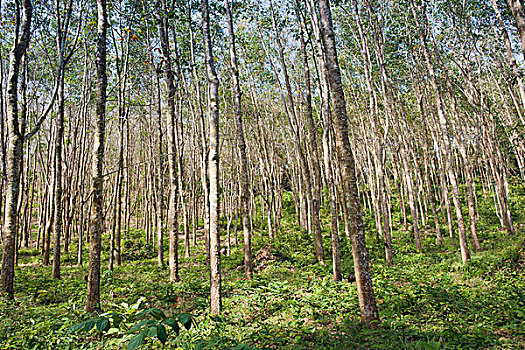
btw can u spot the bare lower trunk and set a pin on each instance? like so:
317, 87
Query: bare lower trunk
160, 180
163, 27
244, 185
97, 220
472, 208
213, 121
350, 193
15, 152
57, 193
327, 154
14, 156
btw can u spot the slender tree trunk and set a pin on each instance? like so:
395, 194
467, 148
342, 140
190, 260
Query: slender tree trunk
97, 220
443, 124
62, 31
327, 146
365, 290
15, 151
163, 26
57, 180
120, 179
50, 216
203, 144
516, 6
291, 114
3, 143
213, 120
160, 179
312, 138
508, 46
243, 172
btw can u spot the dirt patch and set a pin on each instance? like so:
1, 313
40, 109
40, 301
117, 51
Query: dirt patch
265, 255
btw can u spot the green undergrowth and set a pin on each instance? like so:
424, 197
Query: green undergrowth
428, 300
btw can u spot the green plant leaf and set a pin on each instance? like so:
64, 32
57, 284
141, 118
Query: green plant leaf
136, 341
139, 325
161, 334
157, 313
117, 320
152, 331
90, 324
77, 327
241, 347
170, 322
185, 319
430, 345
102, 324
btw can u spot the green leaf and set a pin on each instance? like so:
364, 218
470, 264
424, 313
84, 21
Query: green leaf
102, 324
430, 345
139, 325
90, 324
77, 327
113, 331
136, 341
157, 313
117, 320
185, 319
161, 334
142, 313
216, 318
152, 331
241, 347
170, 322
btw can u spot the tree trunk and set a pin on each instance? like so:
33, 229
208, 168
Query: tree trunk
14, 153
327, 146
213, 121
365, 290
443, 124
203, 143
97, 220
243, 172
163, 27
57, 180
312, 138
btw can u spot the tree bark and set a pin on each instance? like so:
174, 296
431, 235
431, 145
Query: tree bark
163, 27
312, 138
367, 301
241, 144
97, 219
62, 31
15, 150
327, 147
213, 121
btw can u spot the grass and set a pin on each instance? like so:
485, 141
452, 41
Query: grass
427, 300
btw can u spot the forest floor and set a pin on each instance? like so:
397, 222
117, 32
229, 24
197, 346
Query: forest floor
428, 300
